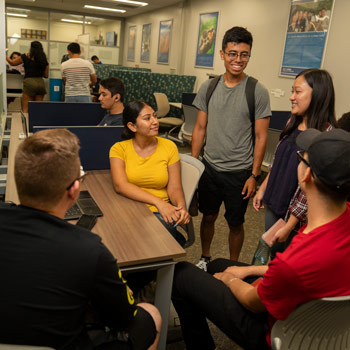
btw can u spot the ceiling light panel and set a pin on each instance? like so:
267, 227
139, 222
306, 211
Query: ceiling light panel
131, 2
103, 8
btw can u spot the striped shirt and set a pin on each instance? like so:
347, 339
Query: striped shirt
77, 73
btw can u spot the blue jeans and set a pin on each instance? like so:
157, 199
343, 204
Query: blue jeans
173, 231
78, 99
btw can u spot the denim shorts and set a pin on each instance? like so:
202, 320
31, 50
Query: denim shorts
216, 187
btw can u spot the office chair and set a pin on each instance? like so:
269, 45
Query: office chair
272, 142
321, 324
191, 171
190, 116
163, 109
14, 86
23, 347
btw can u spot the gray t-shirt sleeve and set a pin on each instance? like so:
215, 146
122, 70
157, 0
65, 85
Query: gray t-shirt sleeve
262, 102
199, 101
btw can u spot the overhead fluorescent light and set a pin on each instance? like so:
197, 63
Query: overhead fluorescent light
29, 0
103, 8
74, 21
16, 14
17, 9
138, 3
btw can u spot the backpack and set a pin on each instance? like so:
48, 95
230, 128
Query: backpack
249, 93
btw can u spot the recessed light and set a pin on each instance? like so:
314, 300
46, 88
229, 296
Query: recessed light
139, 3
103, 8
74, 21
16, 14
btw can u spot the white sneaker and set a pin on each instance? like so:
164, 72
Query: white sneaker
202, 263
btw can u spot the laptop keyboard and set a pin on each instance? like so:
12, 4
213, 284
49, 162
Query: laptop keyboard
73, 213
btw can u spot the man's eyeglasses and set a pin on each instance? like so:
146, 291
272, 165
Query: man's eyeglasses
80, 178
301, 158
244, 56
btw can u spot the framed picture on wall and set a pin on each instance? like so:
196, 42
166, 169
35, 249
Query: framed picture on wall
164, 41
146, 42
208, 23
307, 31
131, 43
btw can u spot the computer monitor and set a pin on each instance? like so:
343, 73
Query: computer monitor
187, 98
279, 119
95, 143
64, 113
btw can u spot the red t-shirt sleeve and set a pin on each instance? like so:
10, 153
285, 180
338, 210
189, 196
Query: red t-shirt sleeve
280, 290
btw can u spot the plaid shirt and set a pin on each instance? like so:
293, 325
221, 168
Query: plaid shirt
298, 204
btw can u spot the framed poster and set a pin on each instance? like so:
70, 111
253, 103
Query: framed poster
208, 23
164, 41
146, 42
131, 43
307, 31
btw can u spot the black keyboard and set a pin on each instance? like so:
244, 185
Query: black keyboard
84, 205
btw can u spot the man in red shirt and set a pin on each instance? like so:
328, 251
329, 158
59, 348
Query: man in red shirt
315, 265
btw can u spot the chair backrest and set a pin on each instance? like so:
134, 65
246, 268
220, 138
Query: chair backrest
14, 81
272, 142
190, 115
23, 347
163, 106
191, 171
321, 324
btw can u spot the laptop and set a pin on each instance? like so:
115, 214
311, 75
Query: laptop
84, 205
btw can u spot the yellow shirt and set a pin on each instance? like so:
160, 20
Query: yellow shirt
150, 173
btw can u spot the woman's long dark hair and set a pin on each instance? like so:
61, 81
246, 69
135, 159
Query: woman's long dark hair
130, 114
37, 53
321, 110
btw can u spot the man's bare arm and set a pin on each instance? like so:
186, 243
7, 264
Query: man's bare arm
198, 134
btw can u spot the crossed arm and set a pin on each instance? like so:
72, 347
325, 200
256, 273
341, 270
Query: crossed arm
244, 292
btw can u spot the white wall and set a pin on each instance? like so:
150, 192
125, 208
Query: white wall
172, 12
267, 21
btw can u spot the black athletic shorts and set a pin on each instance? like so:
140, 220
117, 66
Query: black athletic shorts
139, 336
216, 187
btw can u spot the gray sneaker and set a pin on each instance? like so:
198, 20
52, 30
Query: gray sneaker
202, 263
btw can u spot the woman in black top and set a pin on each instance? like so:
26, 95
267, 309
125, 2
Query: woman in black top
36, 68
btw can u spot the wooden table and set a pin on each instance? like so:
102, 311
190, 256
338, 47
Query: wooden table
16, 128
128, 228
136, 238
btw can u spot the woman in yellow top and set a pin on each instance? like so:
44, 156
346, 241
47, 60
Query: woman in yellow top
146, 167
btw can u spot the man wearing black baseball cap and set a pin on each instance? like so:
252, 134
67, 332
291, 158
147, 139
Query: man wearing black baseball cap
315, 265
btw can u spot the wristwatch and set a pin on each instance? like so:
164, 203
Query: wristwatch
256, 177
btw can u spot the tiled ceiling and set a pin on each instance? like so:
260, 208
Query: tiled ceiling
78, 6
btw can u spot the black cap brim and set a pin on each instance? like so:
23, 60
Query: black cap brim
306, 138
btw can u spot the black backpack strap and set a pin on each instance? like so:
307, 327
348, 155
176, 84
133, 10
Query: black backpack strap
211, 88
250, 96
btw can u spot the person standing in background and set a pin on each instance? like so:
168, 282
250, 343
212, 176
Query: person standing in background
78, 75
36, 68
232, 164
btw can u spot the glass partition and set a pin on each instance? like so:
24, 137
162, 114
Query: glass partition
108, 55
27, 24
65, 27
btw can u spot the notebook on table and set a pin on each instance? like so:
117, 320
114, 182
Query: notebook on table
84, 205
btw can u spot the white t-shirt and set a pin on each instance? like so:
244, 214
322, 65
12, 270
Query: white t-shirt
77, 73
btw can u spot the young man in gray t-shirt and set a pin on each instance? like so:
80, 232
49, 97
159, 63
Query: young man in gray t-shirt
232, 165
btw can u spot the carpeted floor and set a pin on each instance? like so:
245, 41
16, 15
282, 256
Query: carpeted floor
254, 227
